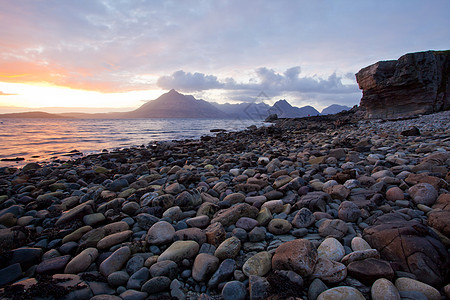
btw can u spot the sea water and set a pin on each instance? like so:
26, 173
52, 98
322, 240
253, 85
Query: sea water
45, 139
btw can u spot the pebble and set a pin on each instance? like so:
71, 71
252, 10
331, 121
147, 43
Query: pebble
404, 284
383, 289
208, 218
331, 249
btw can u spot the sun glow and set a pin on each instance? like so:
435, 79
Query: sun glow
48, 95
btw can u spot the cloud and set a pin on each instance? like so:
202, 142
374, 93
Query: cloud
6, 94
189, 81
264, 79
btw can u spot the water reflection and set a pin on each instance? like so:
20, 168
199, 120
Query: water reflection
45, 138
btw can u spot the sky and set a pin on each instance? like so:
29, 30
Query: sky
112, 55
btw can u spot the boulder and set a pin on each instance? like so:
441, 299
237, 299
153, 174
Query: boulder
416, 83
411, 246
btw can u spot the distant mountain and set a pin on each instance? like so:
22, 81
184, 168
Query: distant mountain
284, 110
176, 105
334, 109
33, 115
257, 111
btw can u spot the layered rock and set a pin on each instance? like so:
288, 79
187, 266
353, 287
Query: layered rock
416, 83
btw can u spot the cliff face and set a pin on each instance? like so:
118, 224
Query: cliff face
416, 83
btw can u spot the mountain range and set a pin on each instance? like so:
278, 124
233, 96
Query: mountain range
175, 105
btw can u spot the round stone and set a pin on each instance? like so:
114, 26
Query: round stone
259, 264
349, 211
395, 193
331, 249
228, 248
234, 290
298, 255
279, 226
160, 233
383, 289
423, 193
408, 284
341, 293
359, 244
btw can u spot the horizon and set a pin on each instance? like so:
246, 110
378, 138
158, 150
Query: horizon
104, 56
101, 110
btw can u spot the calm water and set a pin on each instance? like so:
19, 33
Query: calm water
43, 139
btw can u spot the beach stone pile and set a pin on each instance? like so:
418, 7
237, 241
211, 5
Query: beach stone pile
341, 210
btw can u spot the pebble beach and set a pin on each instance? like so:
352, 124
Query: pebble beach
303, 209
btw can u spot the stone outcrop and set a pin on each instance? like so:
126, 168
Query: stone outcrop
416, 83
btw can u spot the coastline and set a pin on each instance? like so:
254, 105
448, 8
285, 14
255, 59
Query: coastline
239, 198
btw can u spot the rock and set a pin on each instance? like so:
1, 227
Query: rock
180, 250
338, 192
316, 288
160, 233
341, 293
223, 273
303, 218
333, 228
314, 201
199, 221
285, 282
383, 289
165, 268
190, 234
228, 248
82, 261
360, 255
215, 234
423, 193
94, 219
27, 257
10, 274
133, 295
259, 264
264, 216
394, 193
271, 118
78, 212
279, 226
359, 244
204, 266
349, 211
174, 213
246, 223
234, 290
115, 261
138, 278
134, 264
231, 215
415, 80
118, 278
410, 245
235, 198
440, 220
408, 284
114, 239
370, 269
331, 249
329, 271
258, 287
156, 285
298, 255
53, 265
413, 131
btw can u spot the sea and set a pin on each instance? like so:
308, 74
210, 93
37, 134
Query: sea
46, 140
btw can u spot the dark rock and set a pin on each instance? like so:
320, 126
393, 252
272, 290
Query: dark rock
53, 265
413, 131
234, 290
259, 287
223, 273
298, 255
137, 279
410, 245
370, 269
156, 285
165, 268
10, 274
314, 201
416, 83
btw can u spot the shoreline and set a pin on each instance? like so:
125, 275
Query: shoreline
226, 213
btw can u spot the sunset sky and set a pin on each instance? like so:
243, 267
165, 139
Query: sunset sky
108, 55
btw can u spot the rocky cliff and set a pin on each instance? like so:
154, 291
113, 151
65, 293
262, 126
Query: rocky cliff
416, 83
